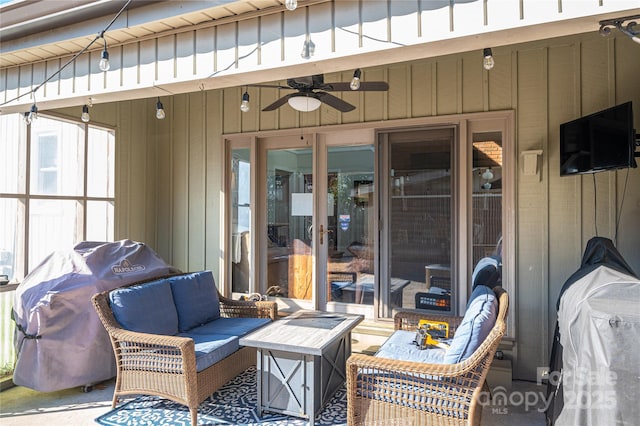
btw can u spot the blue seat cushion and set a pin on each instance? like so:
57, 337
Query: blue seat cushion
212, 348
146, 308
196, 298
400, 346
230, 326
476, 325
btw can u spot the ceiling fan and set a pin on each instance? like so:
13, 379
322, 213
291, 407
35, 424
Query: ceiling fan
312, 91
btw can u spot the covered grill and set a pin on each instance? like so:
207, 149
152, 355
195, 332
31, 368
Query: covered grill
59, 340
595, 361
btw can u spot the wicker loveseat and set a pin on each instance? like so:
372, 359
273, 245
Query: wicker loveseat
386, 389
176, 337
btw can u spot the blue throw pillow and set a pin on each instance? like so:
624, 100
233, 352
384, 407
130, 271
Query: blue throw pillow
147, 308
476, 325
487, 272
196, 298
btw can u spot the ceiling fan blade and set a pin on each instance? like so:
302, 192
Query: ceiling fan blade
277, 104
365, 86
335, 102
272, 86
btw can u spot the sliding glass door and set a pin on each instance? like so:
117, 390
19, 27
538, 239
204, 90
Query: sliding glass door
288, 236
317, 239
350, 237
371, 221
419, 205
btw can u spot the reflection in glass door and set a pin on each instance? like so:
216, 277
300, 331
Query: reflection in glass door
420, 231
486, 208
289, 214
350, 219
240, 189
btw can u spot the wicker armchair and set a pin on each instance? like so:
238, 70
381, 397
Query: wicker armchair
165, 366
384, 391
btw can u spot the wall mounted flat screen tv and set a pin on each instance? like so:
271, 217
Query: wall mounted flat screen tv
597, 142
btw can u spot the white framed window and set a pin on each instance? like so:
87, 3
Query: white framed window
56, 189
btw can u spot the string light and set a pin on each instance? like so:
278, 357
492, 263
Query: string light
160, 110
244, 105
355, 81
488, 62
487, 176
308, 48
104, 57
291, 4
104, 65
104, 62
85, 117
31, 115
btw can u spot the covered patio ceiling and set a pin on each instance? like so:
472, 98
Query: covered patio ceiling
40, 35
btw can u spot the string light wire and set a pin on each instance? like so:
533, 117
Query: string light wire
74, 57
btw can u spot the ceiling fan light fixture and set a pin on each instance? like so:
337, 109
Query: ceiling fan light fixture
304, 102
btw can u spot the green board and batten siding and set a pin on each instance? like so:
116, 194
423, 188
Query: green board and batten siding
170, 173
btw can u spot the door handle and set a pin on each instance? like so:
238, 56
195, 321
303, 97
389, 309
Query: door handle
322, 232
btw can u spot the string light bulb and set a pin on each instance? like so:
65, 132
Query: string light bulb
104, 58
31, 115
244, 105
85, 117
487, 176
488, 62
308, 49
160, 110
355, 81
291, 4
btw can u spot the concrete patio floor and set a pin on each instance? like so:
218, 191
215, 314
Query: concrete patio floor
20, 406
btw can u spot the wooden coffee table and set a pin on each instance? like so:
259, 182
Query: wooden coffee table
301, 361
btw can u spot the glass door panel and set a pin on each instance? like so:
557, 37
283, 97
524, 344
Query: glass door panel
487, 198
240, 190
420, 220
350, 219
289, 215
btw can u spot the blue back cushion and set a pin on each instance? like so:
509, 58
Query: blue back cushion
482, 311
196, 298
147, 308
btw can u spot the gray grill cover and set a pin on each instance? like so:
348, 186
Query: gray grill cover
599, 327
59, 338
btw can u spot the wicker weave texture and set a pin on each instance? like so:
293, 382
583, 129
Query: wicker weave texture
165, 366
383, 391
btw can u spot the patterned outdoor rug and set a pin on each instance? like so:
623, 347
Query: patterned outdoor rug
232, 404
